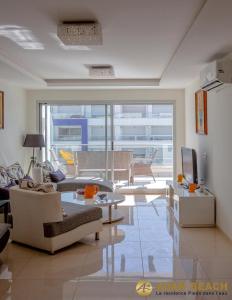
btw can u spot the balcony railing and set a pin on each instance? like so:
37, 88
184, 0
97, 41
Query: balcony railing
156, 137
143, 115
159, 158
67, 138
160, 154
123, 137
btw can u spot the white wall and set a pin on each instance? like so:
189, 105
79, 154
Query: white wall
11, 138
217, 167
114, 95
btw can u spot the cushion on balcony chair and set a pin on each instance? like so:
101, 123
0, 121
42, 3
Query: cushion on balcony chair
76, 215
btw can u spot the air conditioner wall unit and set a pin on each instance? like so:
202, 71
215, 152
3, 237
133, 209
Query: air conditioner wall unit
215, 74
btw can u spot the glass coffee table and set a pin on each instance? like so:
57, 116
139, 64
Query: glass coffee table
108, 204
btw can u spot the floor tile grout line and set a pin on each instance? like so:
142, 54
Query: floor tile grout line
141, 248
22, 269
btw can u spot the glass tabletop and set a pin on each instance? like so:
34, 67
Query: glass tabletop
101, 199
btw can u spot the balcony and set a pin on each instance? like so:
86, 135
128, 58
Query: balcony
150, 165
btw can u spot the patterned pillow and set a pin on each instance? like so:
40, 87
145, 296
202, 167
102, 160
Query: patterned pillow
15, 171
4, 178
30, 185
57, 176
47, 168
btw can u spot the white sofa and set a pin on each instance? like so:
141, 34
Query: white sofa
38, 220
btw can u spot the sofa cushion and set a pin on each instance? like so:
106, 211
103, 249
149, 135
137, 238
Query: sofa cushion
15, 172
47, 168
80, 183
46, 187
57, 176
5, 180
76, 215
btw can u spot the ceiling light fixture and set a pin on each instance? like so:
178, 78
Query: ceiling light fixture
80, 33
21, 36
70, 47
101, 71
82, 83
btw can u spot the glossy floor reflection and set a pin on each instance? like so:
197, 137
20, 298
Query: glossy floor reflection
146, 244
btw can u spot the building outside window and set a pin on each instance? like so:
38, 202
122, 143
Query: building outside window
67, 134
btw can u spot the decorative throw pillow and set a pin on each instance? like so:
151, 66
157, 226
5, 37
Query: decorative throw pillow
26, 184
36, 187
15, 172
57, 176
45, 188
47, 168
5, 180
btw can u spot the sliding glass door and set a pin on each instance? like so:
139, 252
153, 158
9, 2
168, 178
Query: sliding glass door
146, 131
76, 137
130, 144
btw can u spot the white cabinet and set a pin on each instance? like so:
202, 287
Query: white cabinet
192, 209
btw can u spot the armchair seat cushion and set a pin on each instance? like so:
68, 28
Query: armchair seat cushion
76, 215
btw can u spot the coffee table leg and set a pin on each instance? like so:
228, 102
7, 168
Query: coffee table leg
110, 214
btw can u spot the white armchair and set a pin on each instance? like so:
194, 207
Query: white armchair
38, 220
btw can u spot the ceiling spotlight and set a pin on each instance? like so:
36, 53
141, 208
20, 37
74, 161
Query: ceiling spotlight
101, 71
69, 47
80, 33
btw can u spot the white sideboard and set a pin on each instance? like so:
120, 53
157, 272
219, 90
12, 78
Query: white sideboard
191, 209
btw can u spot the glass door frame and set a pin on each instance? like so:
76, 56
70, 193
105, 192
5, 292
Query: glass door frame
44, 114
110, 104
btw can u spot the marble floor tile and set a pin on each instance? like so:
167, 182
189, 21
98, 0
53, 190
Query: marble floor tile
113, 268
10, 268
149, 235
105, 290
53, 267
173, 268
217, 268
147, 244
160, 249
31, 289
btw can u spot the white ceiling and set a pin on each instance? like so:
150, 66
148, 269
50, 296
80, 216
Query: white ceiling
165, 39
